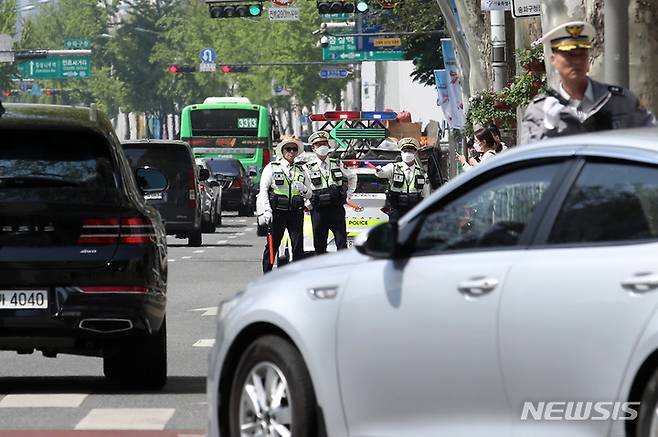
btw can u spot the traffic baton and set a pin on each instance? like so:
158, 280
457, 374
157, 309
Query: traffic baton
371, 165
270, 244
354, 206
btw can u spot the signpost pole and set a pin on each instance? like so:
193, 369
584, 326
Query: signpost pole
358, 86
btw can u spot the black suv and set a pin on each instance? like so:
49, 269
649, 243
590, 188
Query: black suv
180, 203
83, 258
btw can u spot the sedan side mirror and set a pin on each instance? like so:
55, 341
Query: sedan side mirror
204, 174
150, 179
380, 242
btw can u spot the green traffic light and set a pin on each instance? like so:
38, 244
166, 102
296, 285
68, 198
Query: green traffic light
254, 10
362, 6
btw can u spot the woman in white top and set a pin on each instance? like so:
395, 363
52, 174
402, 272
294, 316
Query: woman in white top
487, 144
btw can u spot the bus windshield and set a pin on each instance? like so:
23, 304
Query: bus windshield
224, 122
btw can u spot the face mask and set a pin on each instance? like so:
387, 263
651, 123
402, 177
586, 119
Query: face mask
477, 147
322, 150
408, 157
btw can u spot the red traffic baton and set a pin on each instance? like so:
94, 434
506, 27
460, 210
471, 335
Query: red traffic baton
370, 164
354, 206
270, 244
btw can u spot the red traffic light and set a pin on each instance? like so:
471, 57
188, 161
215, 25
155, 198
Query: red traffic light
226, 69
173, 69
7, 93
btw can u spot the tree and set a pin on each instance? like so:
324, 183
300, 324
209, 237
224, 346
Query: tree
7, 22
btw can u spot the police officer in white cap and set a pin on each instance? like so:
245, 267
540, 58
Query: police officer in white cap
280, 203
407, 181
580, 104
332, 185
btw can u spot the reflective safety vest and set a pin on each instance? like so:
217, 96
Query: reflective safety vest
399, 184
283, 194
319, 181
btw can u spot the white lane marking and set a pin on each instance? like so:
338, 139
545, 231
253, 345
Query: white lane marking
171, 260
198, 251
209, 311
241, 220
249, 229
205, 342
232, 236
221, 242
126, 418
239, 233
64, 400
185, 257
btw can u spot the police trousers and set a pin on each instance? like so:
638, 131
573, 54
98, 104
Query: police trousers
282, 220
325, 219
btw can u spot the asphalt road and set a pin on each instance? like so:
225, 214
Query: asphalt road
70, 392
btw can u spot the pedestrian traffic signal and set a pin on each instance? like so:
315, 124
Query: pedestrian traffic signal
336, 7
226, 69
235, 9
362, 6
178, 69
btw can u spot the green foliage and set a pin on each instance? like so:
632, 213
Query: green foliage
534, 54
487, 107
423, 49
7, 23
524, 88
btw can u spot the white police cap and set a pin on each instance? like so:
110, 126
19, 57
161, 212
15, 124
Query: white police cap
570, 36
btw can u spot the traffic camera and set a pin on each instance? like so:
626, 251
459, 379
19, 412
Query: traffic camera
234, 8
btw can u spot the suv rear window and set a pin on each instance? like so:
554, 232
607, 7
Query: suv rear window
227, 167
56, 166
171, 159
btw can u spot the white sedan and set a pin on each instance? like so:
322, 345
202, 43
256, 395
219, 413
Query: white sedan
520, 299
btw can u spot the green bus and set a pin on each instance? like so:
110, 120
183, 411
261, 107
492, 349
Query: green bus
230, 127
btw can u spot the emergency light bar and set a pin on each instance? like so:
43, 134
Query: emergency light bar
353, 115
359, 163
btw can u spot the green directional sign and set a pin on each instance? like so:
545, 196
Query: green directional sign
337, 55
77, 43
57, 67
340, 133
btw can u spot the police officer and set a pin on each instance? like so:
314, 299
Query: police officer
408, 184
280, 202
332, 185
580, 104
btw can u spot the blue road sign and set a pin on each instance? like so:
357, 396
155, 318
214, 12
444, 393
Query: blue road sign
24, 86
208, 55
36, 90
334, 73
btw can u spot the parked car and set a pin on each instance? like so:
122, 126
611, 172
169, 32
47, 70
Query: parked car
180, 203
532, 278
239, 191
211, 200
83, 258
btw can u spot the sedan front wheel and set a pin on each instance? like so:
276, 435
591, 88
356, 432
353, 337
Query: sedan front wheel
272, 394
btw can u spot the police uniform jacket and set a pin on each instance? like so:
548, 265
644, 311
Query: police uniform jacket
604, 107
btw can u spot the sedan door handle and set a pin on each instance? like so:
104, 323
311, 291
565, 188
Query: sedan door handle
477, 286
641, 282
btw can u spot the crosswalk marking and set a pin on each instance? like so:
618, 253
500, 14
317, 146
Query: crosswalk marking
126, 418
221, 242
239, 233
198, 251
249, 229
205, 342
232, 236
185, 257
64, 400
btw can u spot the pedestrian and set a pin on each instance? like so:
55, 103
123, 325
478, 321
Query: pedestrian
500, 145
485, 143
580, 104
407, 180
280, 203
332, 185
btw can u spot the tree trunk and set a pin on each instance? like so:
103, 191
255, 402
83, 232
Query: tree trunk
643, 49
475, 23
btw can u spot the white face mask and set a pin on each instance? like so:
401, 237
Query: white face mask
322, 150
408, 157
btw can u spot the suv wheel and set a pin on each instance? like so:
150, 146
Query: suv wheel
195, 239
142, 364
288, 408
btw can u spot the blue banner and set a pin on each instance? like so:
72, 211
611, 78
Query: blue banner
454, 84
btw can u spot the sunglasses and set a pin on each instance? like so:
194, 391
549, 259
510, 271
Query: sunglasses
290, 149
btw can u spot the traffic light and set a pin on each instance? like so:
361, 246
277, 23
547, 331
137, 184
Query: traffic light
227, 69
179, 69
336, 7
362, 6
235, 9
53, 91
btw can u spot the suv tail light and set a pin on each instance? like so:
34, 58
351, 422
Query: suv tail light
102, 231
192, 191
237, 183
267, 157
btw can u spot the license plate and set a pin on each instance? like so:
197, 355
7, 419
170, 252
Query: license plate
350, 242
23, 299
153, 196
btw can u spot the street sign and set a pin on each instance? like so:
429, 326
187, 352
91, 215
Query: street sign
496, 5
77, 43
349, 56
387, 42
56, 67
526, 8
208, 55
283, 13
207, 67
336, 73
278, 89
336, 17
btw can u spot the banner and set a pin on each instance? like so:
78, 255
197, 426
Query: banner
454, 84
441, 79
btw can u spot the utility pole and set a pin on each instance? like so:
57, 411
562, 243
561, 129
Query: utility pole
499, 50
358, 86
616, 42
